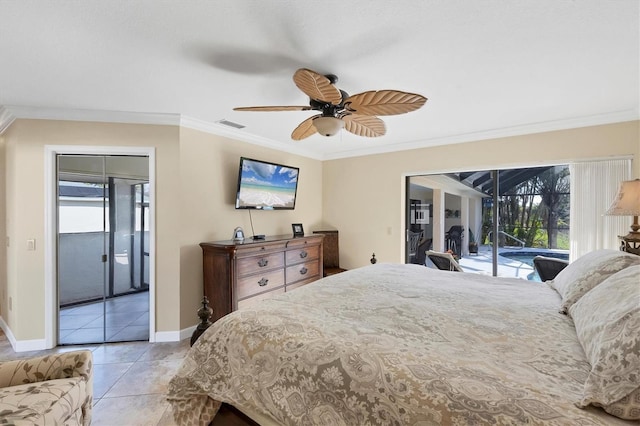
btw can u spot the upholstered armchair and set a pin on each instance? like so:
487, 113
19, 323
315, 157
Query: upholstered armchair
51, 389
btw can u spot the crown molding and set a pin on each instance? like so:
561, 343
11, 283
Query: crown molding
102, 116
9, 113
6, 118
526, 129
239, 134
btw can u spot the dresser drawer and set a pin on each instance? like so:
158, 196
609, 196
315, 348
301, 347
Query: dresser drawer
302, 271
253, 301
304, 242
256, 248
255, 264
259, 283
303, 254
291, 287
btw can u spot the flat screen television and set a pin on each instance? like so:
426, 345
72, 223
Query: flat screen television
266, 186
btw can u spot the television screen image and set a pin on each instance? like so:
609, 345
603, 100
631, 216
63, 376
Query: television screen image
266, 186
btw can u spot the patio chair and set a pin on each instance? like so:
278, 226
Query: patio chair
414, 239
548, 267
444, 261
453, 239
421, 253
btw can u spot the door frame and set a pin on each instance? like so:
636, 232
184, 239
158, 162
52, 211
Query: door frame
51, 229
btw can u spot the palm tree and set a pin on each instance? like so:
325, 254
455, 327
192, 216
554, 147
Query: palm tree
541, 202
553, 189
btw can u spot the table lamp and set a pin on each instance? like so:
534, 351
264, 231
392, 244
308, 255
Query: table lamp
627, 203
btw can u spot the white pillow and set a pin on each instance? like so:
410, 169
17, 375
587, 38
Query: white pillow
588, 271
607, 321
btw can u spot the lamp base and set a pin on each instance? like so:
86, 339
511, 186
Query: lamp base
630, 243
635, 227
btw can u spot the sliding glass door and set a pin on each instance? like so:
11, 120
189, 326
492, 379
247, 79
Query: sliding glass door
495, 221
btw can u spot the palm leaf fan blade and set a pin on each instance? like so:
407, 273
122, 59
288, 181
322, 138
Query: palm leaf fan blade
384, 102
274, 108
304, 129
364, 125
317, 86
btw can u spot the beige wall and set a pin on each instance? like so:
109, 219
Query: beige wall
364, 196
209, 175
3, 231
26, 140
196, 176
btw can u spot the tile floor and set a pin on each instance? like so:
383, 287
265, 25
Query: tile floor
127, 319
130, 379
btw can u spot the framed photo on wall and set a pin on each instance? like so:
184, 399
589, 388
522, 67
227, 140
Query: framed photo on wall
298, 231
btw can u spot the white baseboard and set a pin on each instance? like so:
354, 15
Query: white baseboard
30, 345
22, 345
187, 332
40, 344
7, 332
174, 336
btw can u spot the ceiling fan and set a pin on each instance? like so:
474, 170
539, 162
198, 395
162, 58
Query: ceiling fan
356, 114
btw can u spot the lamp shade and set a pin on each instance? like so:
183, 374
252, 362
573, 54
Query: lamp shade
328, 126
627, 201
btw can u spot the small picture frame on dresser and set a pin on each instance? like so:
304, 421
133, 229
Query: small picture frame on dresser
298, 231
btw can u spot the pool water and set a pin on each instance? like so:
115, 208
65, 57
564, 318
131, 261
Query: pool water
527, 258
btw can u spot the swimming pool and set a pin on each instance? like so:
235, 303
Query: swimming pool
526, 257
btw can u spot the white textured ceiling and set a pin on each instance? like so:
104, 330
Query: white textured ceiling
489, 68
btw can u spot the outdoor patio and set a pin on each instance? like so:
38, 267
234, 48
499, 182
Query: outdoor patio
507, 267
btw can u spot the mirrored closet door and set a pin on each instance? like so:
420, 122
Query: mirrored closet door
102, 248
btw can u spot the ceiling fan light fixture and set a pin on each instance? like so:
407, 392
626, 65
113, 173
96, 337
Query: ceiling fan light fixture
356, 114
328, 126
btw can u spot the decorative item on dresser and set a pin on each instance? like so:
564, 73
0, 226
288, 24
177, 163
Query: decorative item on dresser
331, 253
627, 203
238, 274
238, 234
298, 230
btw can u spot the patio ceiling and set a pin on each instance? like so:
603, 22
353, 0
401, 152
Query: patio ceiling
508, 179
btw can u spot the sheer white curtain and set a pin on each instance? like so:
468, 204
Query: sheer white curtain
594, 185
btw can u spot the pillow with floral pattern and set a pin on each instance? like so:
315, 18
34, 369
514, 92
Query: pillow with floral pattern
588, 271
607, 321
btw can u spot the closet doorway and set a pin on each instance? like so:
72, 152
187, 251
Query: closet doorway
103, 251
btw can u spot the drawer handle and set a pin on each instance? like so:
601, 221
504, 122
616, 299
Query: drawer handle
263, 262
303, 271
303, 254
263, 282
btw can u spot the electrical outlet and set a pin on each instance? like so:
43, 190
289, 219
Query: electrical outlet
31, 244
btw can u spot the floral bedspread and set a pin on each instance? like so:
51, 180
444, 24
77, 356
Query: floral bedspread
392, 345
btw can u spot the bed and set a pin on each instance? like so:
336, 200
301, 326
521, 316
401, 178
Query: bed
392, 344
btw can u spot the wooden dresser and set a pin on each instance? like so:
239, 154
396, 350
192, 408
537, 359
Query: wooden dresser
238, 274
